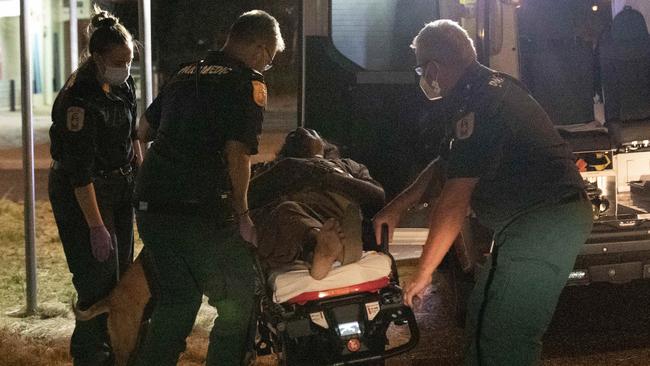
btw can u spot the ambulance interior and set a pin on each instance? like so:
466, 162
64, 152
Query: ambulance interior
587, 62
592, 75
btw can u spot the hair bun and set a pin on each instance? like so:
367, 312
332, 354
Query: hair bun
103, 19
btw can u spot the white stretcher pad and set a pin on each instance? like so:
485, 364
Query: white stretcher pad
372, 266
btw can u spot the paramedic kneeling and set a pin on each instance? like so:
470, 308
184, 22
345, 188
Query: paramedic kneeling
503, 156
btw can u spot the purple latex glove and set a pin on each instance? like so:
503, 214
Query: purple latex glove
100, 243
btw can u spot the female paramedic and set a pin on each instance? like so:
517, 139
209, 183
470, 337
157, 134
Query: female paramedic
94, 152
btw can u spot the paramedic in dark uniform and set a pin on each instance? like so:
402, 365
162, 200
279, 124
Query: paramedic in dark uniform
504, 160
94, 151
191, 193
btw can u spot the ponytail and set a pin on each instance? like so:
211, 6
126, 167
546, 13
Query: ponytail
105, 31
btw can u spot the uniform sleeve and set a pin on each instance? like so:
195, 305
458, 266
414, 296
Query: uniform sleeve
247, 113
153, 112
477, 147
76, 127
134, 123
134, 110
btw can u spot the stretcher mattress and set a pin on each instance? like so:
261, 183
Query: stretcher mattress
370, 272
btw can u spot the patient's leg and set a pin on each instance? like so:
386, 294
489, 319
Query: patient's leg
328, 248
351, 222
286, 233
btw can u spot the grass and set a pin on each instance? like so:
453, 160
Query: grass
43, 339
53, 277
40, 339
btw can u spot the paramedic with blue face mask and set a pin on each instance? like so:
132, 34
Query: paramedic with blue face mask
95, 151
506, 163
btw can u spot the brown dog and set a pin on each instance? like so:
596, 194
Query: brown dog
125, 306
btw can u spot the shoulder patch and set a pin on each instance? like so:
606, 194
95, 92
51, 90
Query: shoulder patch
259, 93
465, 127
75, 119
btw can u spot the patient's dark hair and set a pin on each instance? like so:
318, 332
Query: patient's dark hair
294, 147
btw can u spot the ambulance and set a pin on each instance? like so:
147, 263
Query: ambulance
587, 62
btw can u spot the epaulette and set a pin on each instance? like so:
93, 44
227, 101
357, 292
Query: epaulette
82, 80
484, 91
504, 76
71, 80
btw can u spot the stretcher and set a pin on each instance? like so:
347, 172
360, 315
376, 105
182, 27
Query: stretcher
342, 319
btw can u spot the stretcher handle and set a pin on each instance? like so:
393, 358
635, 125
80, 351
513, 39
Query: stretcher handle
384, 239
383, 245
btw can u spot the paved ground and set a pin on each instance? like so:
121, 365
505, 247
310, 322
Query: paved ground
595, 325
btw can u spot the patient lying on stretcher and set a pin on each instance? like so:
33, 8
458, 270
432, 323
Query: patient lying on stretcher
308, 205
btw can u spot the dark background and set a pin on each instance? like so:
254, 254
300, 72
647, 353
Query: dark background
183, 30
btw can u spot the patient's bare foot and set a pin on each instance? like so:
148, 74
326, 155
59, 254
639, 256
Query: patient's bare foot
328, 248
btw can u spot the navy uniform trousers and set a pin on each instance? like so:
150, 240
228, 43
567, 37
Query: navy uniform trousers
194, 256
92, 279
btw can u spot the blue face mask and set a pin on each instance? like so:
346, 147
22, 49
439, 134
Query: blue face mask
117, 75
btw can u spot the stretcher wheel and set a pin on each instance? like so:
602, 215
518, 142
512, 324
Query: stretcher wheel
284, 351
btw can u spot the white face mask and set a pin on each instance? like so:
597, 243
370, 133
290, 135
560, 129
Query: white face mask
116, 75
431, 91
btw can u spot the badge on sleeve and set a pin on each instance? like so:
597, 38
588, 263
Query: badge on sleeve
259, 93
465, 127
75, 119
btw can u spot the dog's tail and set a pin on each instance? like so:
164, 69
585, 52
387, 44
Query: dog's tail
100, 307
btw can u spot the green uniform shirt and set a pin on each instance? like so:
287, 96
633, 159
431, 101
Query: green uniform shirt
194, 116
502, 136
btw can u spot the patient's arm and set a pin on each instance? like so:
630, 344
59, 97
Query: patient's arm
295, 174
362, 191
289, 174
